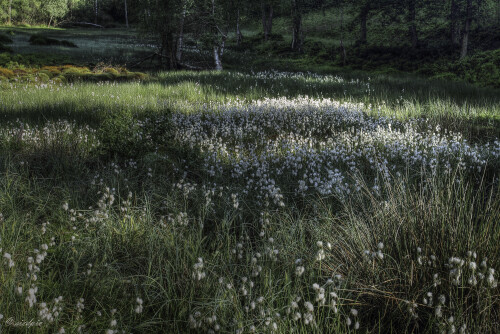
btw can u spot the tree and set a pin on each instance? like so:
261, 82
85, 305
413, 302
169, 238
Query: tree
180, 31
365, 9
55, 9
267, 17
239, 35
9, 22
219, 31
161, 18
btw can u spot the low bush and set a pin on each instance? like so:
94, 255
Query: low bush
127, 134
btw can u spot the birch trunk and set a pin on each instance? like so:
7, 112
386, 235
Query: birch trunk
217, 60
218, 48
9, 22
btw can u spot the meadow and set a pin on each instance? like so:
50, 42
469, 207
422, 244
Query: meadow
250, 202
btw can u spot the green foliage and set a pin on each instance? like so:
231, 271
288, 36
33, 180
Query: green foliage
131, 135
55, 9
482, 68
118, 134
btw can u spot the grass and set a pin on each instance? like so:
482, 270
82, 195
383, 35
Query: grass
250, 202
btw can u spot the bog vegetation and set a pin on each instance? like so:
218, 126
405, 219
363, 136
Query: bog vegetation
292, 193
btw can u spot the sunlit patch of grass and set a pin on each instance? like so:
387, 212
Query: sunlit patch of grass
240, 202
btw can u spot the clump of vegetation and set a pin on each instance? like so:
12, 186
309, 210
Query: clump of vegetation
68, 73
46, 41
482, 68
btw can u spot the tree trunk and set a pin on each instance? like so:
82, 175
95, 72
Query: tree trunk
270, 21
465, 37
267, 19
217, 60
168, 46
222, 45
412, 13
218, 48
126, 14
453, 23
180, 37
9, 22
50, 21
363, 17
239, 36
297, 26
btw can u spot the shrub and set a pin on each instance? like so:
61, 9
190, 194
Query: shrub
481, 68
117, 134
